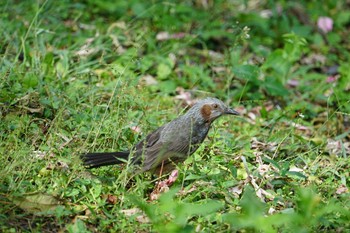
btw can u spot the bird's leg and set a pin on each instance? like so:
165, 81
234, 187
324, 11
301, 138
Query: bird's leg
159, 183
161, 169
163, 185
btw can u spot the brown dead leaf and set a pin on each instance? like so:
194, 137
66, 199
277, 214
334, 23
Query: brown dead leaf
314, 58
183, 192
293, 83
272, 210
255, 111
86, 50
65, 138
148, 80
141, 218
298, 126
163, 186
185, 96
111, 199
117, 44
261, 146
132, 211
39, 154
263, 169
87, 26
87, 212
219, 69
215, 55
62, 165
33, 110
266, 13
162, 36
342, 189
241, 110
252, 116
295, 169
136, 129
337, 147
172, 177
50, 166
118, 24
260, 192
237, 190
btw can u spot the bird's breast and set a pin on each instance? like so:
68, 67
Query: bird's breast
199, 133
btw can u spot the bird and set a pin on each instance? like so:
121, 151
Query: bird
170, 144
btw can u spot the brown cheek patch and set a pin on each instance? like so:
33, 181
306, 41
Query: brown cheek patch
206, 111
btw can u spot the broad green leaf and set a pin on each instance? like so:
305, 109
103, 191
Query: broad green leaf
249, 72
163, 71
37, 203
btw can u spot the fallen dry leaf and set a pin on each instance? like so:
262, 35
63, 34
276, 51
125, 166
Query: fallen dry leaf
260, 192
118, 24
295, 169
215, 55
252, 116
219, 69
342, 189
132, 211
272, 210
172, 177
141, 218
117, 44
148, 80
39, 154
62, 165
111, 199
161, 36
262, 146
183, 192
163, 185
237, 190
337, 147
263, 169
136, 129
86, 50
313, 59
185, 96
241, 110
293, 83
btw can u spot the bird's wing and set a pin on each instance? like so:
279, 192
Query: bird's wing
151, 142
174, 147
161, 145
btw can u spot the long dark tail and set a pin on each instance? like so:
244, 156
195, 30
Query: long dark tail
92, 160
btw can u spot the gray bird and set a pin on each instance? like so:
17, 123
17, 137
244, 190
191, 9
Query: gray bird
170, 144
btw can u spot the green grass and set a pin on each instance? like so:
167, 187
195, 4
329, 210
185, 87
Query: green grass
73, 80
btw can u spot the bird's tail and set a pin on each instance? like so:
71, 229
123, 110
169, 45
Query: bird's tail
93, 160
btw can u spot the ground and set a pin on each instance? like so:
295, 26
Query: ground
83, 76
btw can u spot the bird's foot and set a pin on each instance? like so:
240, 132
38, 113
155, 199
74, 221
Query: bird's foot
163, 185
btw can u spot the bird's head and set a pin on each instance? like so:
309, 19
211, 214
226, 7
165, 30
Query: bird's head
212, 108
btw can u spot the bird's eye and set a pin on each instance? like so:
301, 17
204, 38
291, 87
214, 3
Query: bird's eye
215, 106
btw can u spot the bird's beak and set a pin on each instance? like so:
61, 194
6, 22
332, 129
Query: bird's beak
231, 111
